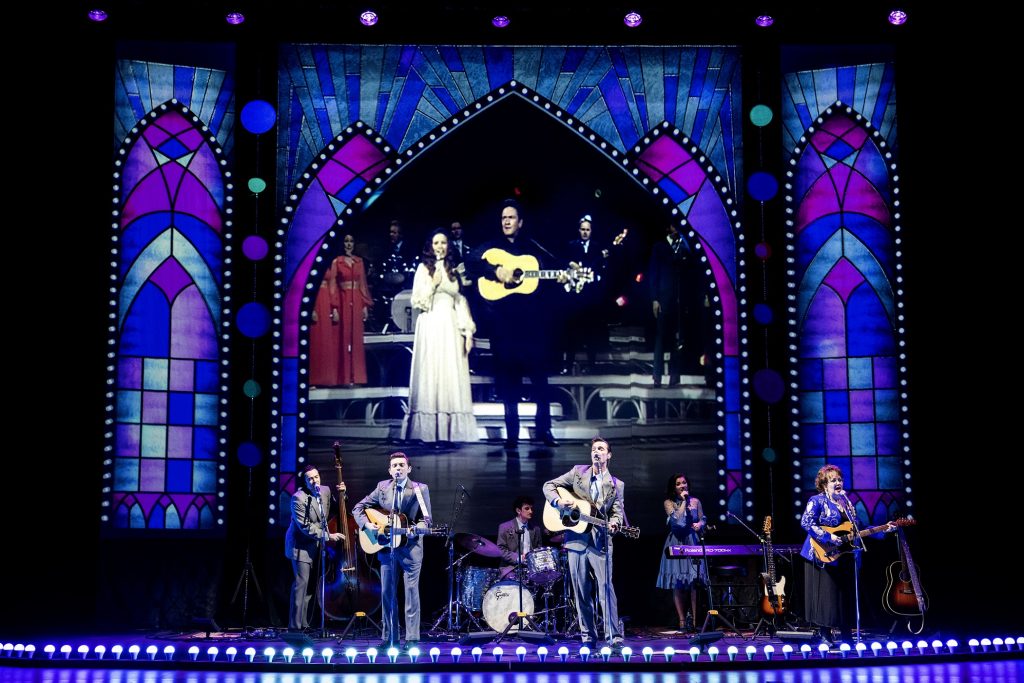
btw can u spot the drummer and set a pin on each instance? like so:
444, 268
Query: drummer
517, 537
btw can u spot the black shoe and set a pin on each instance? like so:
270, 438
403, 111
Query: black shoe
657, 382
410, 644
384, 645
548, 439
511, 444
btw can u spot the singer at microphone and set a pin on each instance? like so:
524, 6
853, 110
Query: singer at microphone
310, 509
830, 519
686, 522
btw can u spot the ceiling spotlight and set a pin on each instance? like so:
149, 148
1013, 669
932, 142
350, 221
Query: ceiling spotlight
234, 18
368, 18
97, 15
633, 19
764, 20
500, 21
897, 17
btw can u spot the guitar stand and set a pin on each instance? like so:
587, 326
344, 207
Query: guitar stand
770, 626
365, 622
714, 616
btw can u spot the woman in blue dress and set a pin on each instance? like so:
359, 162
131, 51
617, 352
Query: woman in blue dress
686, 521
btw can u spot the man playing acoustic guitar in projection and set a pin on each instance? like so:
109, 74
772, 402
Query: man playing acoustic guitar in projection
509, 275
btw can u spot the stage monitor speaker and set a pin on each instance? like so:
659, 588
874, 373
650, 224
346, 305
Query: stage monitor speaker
298, 640
535, 637
702, 640
478, 637
798, 637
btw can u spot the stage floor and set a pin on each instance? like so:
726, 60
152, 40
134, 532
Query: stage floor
995, 658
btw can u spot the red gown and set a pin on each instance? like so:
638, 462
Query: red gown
353, 299
324, 338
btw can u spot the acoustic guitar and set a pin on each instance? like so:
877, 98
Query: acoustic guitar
577, 518
391, 526
904, 596
526, 275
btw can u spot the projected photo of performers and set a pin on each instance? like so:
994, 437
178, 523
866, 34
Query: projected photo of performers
564, 304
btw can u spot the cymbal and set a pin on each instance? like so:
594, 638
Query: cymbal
478, 544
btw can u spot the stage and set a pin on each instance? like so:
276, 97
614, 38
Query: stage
797, 655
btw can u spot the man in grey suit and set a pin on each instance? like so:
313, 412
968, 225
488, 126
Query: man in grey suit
412, 499
510, 533
311, 508
590, 552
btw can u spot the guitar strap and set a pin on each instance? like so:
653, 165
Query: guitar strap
423, 506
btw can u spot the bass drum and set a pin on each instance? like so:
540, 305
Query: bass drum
502, 600
402, 312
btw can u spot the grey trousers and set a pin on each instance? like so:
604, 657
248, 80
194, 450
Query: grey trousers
298, 607
587, 570
408, 562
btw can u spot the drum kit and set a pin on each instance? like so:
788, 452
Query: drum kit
495, 595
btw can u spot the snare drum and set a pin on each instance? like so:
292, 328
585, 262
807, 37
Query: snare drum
501, 600
475, 582
542, 566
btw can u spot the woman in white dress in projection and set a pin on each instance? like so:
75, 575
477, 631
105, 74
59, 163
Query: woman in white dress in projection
440, 402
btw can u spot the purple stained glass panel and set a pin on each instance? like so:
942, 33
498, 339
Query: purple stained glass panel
151, 475
862, 405
179, 442
171, 278
835, 373
182, 375
154, 407
334, 176
887, 438
129, 373
864, 473
837, 439
127, 442
192, 331
885, 372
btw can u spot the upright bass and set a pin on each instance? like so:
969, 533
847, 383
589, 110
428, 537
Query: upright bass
351, 586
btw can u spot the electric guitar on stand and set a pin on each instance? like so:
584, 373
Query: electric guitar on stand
774, 601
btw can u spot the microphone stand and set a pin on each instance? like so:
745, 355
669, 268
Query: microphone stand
609, 628
323, 565
392, 618
454, 624
858, 547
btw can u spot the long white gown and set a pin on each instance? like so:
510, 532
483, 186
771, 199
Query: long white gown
440, 401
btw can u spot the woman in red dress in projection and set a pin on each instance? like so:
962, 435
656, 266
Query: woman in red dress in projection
325, 336
348, 273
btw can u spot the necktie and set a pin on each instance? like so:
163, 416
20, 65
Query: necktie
526, 539
398, 499
586, 246
595, 491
